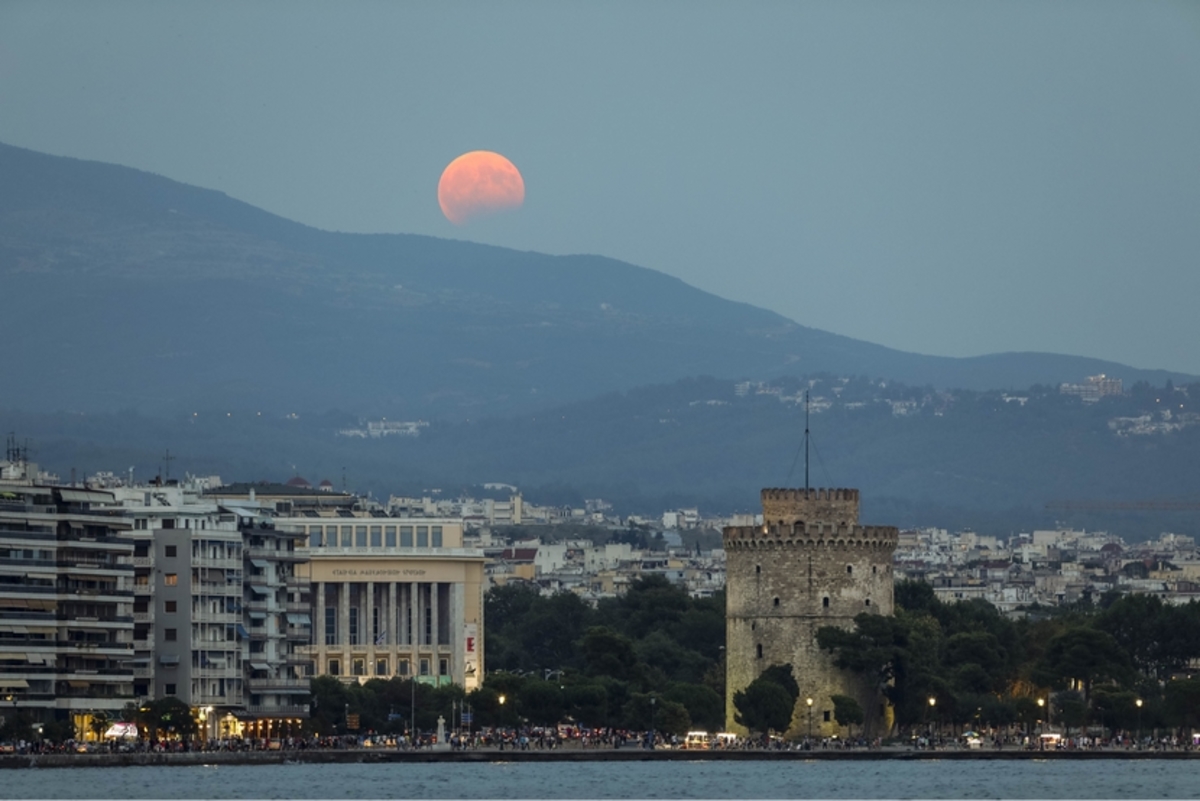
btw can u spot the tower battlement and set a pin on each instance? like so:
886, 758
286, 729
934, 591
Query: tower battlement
787, 506
809, 535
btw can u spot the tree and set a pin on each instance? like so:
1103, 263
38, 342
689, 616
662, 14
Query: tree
704, 706
1084, 654
607, 653
764, 706
847, 711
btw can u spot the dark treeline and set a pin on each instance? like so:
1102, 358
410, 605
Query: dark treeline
1089, 664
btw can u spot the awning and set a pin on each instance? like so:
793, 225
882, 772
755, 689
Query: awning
241, 630
19, 657
261, 564
49, 574
168, 659
19, 684
259, 666
85, 496
258, 615
258, 589
78, 684
299, 619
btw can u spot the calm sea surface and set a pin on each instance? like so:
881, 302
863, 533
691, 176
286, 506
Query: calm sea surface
882, 779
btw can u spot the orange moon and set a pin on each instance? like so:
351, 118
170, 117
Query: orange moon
478, 184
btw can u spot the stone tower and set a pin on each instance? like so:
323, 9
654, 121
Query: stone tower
809, 565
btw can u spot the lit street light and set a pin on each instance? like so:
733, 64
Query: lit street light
932, 704
1139, 729
809, 701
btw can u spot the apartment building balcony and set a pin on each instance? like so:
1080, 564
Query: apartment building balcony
297, 607
222, 617
143, 617
274, 555
281, 684
297, 582
301, 634
278, 710
143, 561
221, 563
230, 671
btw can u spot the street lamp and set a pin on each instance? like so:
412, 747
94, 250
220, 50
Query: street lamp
809, 701
1041, 706
1139, 729
653, 721
932, 704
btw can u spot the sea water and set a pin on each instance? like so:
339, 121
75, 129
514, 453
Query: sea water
931, 778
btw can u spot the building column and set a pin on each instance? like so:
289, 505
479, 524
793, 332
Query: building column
319, 629
392, 632
367, 625
433, 630
344, 625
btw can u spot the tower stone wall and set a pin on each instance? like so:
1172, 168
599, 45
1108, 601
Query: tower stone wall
809, 565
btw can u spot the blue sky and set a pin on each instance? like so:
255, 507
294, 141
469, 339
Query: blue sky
942, 177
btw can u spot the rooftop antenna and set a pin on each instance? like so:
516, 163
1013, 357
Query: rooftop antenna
806, 443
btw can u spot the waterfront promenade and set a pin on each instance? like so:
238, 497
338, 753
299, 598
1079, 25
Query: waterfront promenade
628, 754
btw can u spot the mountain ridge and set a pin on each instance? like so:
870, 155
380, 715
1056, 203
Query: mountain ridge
144, 292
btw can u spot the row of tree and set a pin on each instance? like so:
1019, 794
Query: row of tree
1088, 664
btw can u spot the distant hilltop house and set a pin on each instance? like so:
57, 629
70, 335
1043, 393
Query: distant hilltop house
377, 429
1094, 388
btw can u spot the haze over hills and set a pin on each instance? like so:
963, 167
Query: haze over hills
132, 291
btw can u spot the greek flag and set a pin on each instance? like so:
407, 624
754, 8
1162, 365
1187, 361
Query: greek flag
382, 638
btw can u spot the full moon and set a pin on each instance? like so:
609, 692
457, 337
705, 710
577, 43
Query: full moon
477, 184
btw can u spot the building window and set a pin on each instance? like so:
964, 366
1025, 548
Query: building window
868, 603
758, 649
335, 667
170, 579
376, 631
777, 602
169, 551
758, 568
424, 667
347, 536
376, 536
314, 537
422, 536
825, 602
170, 635
406, 536
331, 625
381, 666
443, 667
169, 689
826, 715
874, 568
428, 626
354, 625
169, 606
360, 536
402, 667
849, 570
389, 536
436, 533
358, 667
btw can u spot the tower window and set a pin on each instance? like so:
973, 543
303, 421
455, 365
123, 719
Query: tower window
849, 570
777, 602
827, 716
868, 602
759, 650
825, 602
758, 568
874, 569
